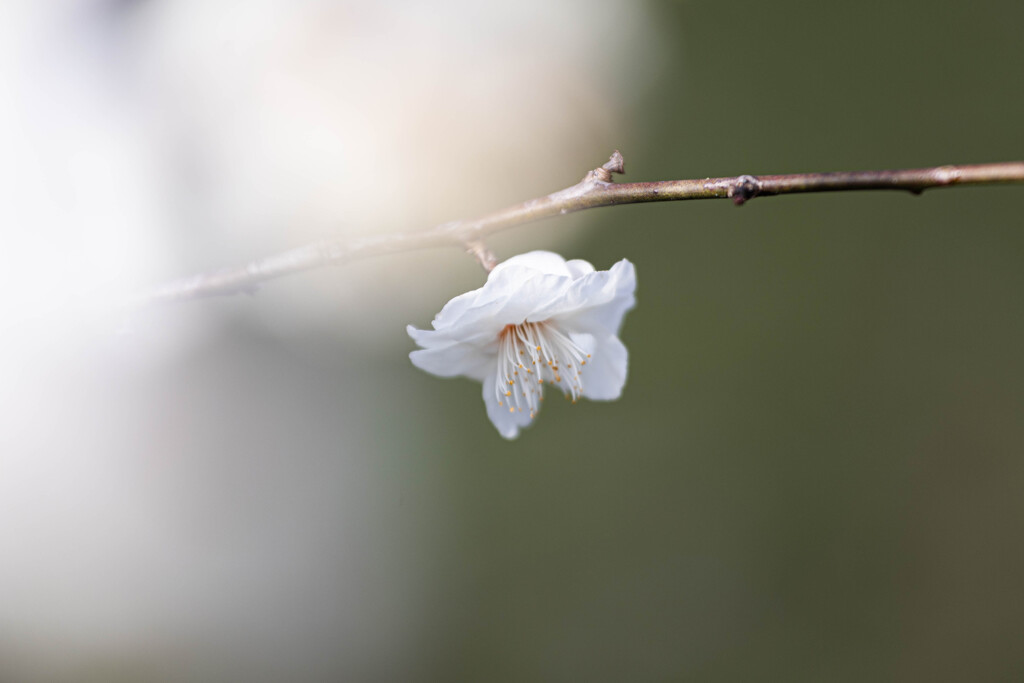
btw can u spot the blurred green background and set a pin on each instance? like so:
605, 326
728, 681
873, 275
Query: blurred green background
814, 473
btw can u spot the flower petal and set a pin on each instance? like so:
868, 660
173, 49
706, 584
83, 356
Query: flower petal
473, 308
507, 422
605, 373
455, 309
454, 360
578, 268
547, 262
595, 303
516, 287
538, 292
521, 284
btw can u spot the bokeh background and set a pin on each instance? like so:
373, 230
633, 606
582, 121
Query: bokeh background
815, 471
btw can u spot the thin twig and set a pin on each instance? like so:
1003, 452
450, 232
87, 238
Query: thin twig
596, 189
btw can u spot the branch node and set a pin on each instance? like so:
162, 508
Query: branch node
484, 256
743, 189
615, 164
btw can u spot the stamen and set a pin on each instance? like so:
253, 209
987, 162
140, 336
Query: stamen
549, 349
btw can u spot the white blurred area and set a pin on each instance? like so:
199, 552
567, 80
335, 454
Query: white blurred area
147, 139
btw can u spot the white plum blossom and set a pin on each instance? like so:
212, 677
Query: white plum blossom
538, 320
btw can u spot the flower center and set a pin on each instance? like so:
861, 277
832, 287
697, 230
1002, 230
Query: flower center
531, 354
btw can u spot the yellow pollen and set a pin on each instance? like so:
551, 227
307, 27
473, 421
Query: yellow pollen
508, 393
583, 362
558, 378
538, 349
511, 409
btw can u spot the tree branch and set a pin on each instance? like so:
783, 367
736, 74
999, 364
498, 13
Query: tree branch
596, 189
